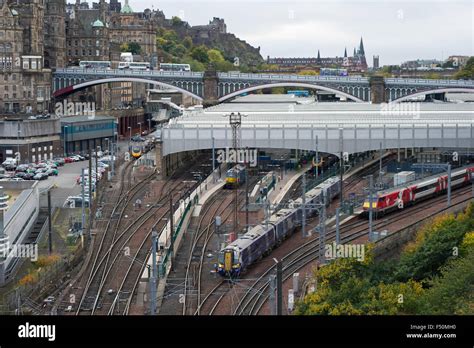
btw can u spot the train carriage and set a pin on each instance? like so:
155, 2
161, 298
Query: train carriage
399, 197
261, 239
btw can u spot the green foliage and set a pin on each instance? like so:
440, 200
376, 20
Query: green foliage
434, 275
199, 53
175, 21
215, 56
308, 72
466, 73
134, 47
188, 42
124, 47
447, 292
433, 248
178, 48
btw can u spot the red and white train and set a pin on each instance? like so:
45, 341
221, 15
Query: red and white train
410, 193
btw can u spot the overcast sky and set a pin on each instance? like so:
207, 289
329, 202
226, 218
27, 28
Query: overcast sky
395, 30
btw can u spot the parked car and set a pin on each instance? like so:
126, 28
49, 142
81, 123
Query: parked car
29, 176
68, 160
40, 176
59, 161
22, 168
75, 202
52, 171
137, 138
20, 175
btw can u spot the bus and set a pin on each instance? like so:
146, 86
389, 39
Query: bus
87, 64
333, 72
139, 66
174, 67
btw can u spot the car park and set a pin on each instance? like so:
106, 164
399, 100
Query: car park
52, 171
29, 176
22, 168
40, 176
59, 161
20, 175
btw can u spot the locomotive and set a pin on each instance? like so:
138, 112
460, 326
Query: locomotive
410, 193
261, 239
235, 177
136, 152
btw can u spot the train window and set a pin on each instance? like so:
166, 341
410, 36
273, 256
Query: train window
426, 188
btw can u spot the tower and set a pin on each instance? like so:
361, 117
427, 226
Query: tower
55, 34
345, 52
361, 47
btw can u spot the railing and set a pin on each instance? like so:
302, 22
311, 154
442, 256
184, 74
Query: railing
395, 81
128, 72
245, 76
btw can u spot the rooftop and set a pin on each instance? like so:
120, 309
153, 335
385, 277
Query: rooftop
76, 119
320, 114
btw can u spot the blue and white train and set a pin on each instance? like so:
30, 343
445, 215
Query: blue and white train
261, 239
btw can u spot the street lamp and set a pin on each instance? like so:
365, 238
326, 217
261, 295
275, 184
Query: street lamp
140, 124
130, 138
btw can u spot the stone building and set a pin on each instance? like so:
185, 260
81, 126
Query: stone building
25, 84
55, 34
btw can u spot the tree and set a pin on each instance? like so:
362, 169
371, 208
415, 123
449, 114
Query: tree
188, 42
215, 56
179, 50
134, 47
124, 47
308, 72
199, 53
432, 248
175, 21
466, 73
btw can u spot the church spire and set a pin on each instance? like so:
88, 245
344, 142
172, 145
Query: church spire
319, 56
355, 53
361, 47
345, 52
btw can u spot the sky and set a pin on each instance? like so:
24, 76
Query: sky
396, 30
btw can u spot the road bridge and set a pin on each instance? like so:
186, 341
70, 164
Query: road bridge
213, 87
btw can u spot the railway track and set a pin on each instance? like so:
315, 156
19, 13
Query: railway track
100, 262
107, 266
200, 242
254, 299
219, 205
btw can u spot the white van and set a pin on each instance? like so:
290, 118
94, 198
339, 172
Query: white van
9, 161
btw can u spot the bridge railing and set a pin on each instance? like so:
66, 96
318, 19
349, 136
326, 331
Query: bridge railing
245, 76
128, 72
468, 83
